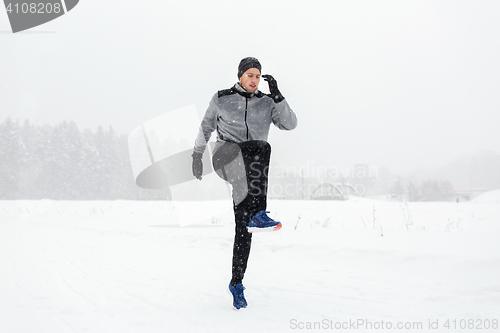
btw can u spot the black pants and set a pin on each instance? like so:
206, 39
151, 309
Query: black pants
245, 166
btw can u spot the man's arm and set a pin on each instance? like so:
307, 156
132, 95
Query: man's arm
208, 125
283, 116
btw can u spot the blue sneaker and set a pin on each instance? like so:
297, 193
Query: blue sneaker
261, 222
239, 300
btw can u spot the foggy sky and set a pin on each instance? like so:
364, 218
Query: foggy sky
402, 84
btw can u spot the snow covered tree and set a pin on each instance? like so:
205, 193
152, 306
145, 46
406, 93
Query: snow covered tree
63, 163
10, 153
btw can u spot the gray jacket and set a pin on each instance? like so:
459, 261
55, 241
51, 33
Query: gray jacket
240, 116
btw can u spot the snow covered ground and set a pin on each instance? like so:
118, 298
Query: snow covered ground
367, 265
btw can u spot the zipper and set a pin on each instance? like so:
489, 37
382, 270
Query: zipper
246, 109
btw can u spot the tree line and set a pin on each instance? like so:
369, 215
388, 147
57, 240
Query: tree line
62, 162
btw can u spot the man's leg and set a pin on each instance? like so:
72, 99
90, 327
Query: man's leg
245, 166
242, 242
256, 156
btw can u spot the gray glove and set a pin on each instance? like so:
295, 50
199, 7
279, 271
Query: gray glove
197, 165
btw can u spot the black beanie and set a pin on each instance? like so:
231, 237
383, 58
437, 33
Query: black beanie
246, 64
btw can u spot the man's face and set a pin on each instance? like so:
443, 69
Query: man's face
250, 80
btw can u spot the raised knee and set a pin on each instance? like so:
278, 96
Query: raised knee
264, 145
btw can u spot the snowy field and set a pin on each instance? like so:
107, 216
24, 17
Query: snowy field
358, 265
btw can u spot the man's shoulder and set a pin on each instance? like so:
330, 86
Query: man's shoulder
260, 94
226, 92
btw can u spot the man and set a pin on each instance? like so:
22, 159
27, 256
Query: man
242, 116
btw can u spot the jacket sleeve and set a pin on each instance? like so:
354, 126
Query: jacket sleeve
208, 125
283, 117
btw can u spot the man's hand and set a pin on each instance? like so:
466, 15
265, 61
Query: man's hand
197, 165
273, 88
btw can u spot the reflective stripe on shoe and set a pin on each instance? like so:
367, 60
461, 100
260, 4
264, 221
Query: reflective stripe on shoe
273, 228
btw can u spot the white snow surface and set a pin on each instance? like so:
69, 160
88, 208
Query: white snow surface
126, 266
